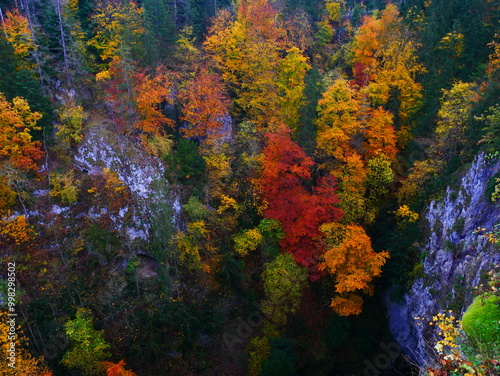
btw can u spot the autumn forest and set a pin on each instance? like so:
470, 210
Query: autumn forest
230, 187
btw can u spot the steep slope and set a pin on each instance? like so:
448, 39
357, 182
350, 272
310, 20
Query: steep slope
455, 259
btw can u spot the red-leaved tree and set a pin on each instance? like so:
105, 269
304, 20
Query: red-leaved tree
301, 211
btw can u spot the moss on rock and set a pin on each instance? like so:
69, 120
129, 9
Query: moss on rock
481, 321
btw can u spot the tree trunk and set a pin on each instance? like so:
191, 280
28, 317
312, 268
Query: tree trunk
63, 42
35, 46
3, 22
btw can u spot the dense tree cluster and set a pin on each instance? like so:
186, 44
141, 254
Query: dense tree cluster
286, 132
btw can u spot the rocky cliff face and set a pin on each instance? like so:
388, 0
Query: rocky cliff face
455, 260
141, 172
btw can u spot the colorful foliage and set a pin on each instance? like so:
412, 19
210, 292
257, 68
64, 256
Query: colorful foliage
279, 125
291, 74
247, 241
15, 229
118, 28
89, 348
24, 363
247, 52
353, 263
385, 64
17, 147
117, 369
301, 212
17, 32
65, 187
454, 115
71, 117
151, 92
205, 108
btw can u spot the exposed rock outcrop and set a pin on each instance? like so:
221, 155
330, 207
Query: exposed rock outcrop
142, 173
456, 259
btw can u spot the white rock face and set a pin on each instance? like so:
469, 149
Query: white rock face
456, 260
136, 169
102, 148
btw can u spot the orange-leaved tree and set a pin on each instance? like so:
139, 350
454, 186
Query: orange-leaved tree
117, 369
150, 94
18, 155
17, 147
353, 263
205, 107
15, 231
379, 134
136, 99
385, 65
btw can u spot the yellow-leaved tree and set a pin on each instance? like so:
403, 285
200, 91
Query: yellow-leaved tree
17, 32
118, 30
291, 85
247, 51
338, 122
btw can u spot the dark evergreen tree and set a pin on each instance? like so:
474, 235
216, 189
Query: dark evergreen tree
454, 38
160, 30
